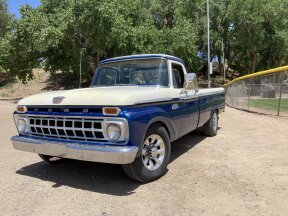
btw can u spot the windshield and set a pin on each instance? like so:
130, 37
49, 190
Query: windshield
145, 72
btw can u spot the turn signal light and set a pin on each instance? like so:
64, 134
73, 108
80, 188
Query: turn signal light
111, 111
21, 109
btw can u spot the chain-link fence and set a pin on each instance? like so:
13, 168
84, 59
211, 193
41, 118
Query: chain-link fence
261, 92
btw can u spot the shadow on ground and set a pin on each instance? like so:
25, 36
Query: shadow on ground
97, 177
184, 144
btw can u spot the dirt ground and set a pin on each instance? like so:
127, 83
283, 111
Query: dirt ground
241, 171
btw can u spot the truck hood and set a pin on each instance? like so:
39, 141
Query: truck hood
103, 96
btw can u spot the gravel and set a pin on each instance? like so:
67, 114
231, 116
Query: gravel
241, 171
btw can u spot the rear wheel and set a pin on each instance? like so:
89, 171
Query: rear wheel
154, 158
50, 159
210, 127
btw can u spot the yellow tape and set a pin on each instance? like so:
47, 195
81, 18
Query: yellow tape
275, 70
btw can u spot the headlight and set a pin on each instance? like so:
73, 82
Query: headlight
116, 130
113, 132
22, 126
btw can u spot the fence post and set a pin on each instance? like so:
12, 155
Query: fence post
280, 96
249, 92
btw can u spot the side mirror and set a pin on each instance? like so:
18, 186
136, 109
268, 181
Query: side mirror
190, 82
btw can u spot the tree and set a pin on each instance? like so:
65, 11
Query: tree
255, 34
57, 31
260, 32
5, 20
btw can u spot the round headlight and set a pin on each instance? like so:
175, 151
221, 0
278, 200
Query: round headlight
21, 125
113, 132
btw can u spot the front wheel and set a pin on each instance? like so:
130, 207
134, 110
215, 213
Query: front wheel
210, 128
154, 158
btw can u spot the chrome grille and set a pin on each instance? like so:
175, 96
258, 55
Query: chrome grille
71, 128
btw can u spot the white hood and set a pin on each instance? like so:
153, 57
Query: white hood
106, 96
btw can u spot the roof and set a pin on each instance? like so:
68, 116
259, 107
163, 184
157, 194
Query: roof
142, 56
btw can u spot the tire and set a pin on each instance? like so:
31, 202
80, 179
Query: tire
155, 155
211, 126
50, 159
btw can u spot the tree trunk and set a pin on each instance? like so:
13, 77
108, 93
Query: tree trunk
97, 59
253, 62
96, 62
220, 66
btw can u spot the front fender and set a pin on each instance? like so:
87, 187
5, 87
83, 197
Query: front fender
141, 118
168, 123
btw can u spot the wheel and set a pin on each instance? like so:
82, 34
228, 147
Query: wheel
154, 158
211, 126
50, 159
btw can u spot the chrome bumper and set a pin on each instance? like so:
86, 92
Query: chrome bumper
104, 154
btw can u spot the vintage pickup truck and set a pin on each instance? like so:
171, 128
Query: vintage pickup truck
135, 107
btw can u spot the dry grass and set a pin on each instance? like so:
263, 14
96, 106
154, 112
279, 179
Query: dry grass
13, 89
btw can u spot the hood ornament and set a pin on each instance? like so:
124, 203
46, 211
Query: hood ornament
58, 100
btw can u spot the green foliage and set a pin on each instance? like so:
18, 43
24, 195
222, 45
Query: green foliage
254, 33
5, 20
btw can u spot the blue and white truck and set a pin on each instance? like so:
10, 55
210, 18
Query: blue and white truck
135, 107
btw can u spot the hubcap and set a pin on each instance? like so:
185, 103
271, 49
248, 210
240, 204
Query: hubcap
215, 122
153, 152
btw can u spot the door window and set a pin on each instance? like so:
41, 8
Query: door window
177, 76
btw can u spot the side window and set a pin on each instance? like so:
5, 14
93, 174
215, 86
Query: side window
177, 76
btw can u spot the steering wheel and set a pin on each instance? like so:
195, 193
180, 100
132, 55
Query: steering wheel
153, 81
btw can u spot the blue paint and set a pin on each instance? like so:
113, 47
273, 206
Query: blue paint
208, 104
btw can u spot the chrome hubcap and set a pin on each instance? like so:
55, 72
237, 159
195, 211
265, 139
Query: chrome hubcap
153, 152
215, 122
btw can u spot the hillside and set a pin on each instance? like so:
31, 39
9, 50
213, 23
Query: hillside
14, 89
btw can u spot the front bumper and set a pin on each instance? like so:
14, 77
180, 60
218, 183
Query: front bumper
96, 153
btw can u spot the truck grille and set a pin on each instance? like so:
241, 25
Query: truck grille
67, 128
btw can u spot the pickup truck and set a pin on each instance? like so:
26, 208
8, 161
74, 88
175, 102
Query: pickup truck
135, 107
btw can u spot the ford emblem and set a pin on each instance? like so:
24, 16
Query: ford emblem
58, 100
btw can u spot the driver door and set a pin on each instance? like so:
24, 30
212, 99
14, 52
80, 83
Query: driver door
186, 115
